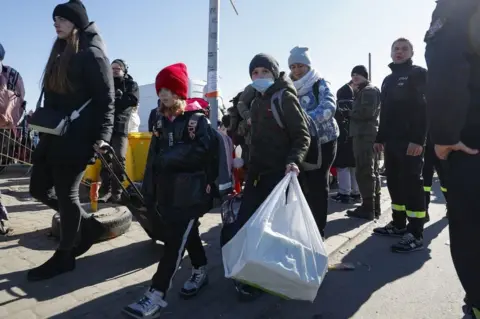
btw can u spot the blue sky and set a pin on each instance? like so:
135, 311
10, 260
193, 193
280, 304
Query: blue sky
150, 34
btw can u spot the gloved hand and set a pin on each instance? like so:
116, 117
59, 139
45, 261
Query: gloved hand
118, 94
101, 146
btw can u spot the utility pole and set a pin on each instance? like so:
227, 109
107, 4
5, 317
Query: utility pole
212, 71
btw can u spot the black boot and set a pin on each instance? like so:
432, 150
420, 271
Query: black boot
377, 206
61, 262
91, 230
365, 211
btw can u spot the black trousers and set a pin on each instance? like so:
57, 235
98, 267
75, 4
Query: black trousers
119, 144
182, 235
257, 188
405, 185
464, 221
433, 163
57, 186
316, 186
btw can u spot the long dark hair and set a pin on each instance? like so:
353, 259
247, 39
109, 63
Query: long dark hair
55, 74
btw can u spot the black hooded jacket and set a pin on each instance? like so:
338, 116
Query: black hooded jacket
124, 103
91, 77
179, 166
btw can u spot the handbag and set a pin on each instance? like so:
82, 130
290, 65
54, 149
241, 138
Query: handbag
50, 121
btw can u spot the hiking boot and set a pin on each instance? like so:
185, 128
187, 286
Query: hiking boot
61, 262
341, 198
390, 230
356, 198
195, 283
91, 230
364, 212
150, 306
247, 293
408, 244
4, 227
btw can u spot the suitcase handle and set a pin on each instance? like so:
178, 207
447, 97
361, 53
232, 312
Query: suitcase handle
109, 150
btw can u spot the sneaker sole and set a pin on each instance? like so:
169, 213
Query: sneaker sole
127, 314
409, 251
389, 235
187, 296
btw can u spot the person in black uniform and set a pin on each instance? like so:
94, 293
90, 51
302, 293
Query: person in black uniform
453, 96
402, 134
126, 99
432, 164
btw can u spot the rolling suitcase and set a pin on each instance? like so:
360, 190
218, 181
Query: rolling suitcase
150, 219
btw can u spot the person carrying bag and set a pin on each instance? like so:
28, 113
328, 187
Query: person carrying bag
75, 121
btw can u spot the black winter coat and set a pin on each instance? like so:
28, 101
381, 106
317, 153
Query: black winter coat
124, 103
179, 167
403, 110
344, 158
91, 77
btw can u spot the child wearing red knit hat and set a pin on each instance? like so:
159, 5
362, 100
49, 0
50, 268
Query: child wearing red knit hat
177, 183
171, 84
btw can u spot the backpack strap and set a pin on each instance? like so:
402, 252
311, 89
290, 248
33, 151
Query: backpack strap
193, 124
12, 77
277, 107
316, 91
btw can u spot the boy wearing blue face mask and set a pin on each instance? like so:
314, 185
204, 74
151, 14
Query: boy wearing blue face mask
274, 151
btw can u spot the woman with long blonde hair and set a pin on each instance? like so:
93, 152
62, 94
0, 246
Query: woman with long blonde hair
77, 73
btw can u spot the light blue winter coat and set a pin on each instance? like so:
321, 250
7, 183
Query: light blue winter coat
323, 112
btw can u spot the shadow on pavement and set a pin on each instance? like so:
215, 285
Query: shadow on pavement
90, 270
343, 293
343, 225
30, 207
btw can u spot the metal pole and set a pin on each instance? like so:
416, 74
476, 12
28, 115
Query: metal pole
212, 71
370, 67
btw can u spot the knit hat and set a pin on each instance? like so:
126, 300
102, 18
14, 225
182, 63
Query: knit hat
299, 55
360, 70
266, 61
74, 11
122, 64
174, 78
2, 52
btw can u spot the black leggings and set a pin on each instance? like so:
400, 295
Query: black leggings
57, 186
316, 185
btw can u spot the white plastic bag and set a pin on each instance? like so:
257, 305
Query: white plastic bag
280, 248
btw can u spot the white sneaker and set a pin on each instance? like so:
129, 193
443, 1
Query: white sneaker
150, 306
195, 283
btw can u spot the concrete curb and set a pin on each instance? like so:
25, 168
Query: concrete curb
335, 243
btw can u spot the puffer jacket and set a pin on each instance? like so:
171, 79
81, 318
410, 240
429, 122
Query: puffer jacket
179, 165
125, 103
321, 108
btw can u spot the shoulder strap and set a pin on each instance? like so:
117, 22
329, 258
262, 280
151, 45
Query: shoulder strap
193, 124
316, 90
12, 77
277, 107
